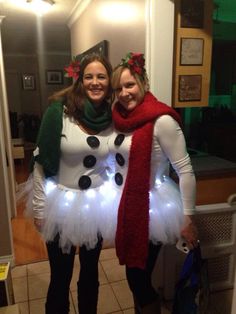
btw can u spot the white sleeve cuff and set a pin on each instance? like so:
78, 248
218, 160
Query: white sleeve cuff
188, 211
39, 193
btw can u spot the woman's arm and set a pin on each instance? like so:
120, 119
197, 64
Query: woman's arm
172, 142
38, 196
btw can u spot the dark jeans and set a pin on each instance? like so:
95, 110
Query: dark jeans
140, 281
61, 273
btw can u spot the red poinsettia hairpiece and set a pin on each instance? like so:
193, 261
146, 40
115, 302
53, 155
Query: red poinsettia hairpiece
135, 62
72, 70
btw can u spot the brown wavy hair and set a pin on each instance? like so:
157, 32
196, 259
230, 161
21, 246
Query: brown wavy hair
73, 97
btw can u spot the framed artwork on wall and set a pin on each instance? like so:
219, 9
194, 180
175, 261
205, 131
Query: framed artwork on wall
54, 77
190, 87
100, 48
191, 51
193, 47
28, 81
192, 13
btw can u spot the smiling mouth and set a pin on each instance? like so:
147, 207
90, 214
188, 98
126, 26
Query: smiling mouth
95, 91
127, 101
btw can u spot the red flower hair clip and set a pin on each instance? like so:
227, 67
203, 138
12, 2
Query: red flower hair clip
73, 69
135, 62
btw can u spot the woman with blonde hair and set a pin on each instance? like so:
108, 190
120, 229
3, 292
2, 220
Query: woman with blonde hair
153, 210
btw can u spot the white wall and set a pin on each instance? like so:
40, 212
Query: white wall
149, 29
122, 23
159, 47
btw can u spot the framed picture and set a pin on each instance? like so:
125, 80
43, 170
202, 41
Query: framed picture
54, 77
191, 51
100, 48
190, 87
28, 81
192, 13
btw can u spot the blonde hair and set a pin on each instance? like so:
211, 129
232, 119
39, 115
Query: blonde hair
142, 82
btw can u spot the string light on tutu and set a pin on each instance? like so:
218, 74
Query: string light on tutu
50, 186
158, 182
70, 195
151, 211
107, 190
104, 189
90, 193
86, 206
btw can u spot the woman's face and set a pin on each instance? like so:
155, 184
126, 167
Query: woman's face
128, 92
95, 82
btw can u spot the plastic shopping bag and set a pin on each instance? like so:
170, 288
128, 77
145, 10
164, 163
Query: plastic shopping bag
192, 288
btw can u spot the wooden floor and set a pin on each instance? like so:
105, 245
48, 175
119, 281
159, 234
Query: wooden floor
28, 245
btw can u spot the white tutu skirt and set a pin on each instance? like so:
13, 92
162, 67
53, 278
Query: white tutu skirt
79, 217
166, 212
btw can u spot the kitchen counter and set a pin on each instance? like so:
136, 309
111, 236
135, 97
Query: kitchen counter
212, 166
215, 178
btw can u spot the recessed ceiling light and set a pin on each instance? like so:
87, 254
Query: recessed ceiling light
51, 2
40, 7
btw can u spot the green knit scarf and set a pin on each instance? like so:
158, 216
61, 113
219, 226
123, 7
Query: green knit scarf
49, 137
96, 119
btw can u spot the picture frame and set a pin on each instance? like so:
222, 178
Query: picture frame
100, 48
191, 51
28, 81
192, 13
190, 87
54, 77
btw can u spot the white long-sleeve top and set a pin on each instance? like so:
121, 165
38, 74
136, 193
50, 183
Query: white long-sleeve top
168, 146
77, 148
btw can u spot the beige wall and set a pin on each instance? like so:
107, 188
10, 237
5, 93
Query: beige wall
18, 99
32, 101
123, 35
6, 188
52, 62
6, 249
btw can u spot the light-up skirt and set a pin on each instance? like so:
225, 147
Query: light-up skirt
79, 216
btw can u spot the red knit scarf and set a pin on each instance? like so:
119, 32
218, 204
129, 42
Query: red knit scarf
132, 234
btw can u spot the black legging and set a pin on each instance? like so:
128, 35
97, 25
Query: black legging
140, 280
61, 273
88, 283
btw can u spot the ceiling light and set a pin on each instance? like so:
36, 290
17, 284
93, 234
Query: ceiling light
51, 2
40, 6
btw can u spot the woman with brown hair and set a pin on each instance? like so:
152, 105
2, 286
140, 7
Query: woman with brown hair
70, 173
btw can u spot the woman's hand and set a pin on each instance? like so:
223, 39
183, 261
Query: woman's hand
38, 223
189, 232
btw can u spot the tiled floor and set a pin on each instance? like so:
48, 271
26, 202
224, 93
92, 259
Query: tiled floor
30, 283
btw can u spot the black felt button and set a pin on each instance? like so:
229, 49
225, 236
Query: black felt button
84, 182
120, 159
89, 161
118, 178
119, 139
93, 141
